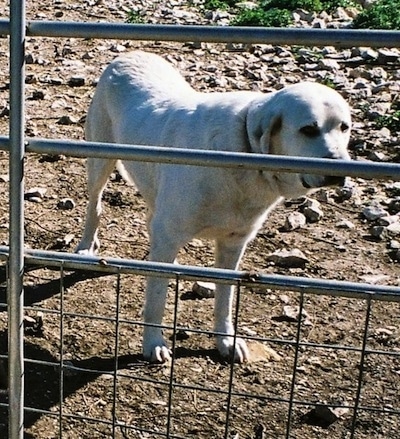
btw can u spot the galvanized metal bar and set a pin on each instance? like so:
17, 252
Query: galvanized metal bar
316, 286
61, 364
116, 355
361, 370
16, 215
295, 368
217, 34
224, 159
216, 158
171, 377
230, 391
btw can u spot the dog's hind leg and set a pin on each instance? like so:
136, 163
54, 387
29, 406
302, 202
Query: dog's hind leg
227, 255
98, 172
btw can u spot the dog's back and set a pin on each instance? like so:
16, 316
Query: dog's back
131, 84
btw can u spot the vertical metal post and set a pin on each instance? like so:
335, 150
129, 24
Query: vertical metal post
16, 261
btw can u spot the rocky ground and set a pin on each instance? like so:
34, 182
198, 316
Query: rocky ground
351, 234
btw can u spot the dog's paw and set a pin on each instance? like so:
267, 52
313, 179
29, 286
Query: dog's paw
226, 348
87, 249
84, 252
160, 354
156, 351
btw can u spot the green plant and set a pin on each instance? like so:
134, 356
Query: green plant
331, 5
389, 121
291, 5
308, 5
135, 17
259, 17
383, 14
328, 81
219, 4
278, 13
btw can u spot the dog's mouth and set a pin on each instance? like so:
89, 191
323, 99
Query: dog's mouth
315, 181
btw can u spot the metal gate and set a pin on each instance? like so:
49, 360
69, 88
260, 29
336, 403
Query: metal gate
18, 258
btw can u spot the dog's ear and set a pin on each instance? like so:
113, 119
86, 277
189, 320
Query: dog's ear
264, 121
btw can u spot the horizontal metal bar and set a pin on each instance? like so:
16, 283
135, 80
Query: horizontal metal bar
71, 261
217, 158
224, 159
217, 34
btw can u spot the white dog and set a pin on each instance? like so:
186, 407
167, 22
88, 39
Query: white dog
141, 99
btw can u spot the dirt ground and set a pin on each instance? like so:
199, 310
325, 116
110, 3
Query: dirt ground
61, 75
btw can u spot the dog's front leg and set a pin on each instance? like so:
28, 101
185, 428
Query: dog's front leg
155, 348
164, 245
228, 255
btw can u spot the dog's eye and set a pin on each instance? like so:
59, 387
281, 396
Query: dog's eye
310, 131
344, 127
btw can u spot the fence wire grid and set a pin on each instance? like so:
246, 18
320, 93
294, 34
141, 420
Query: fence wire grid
176, 399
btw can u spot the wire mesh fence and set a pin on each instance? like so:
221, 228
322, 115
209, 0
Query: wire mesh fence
130, 398
178, 401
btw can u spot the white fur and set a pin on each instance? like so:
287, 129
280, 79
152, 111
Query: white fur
141, 99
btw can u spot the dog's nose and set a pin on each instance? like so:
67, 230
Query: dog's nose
331, 180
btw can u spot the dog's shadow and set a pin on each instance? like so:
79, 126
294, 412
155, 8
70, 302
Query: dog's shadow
42, 370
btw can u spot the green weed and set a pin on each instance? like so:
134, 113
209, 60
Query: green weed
383, 14
266, 18
135, 17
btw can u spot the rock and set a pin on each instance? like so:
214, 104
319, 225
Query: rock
294, 220
67, 120
76, 81
29, 59
374, 279
292, 314
313, 214
387, 220
386, 56
393, 189
395, 255
377, 156
261, 352
323, 416
37, 95
368, 54
378, 232
117, 48
35, 194
311, 210
329, 64
394, 245
372, 213
34, 325
345, 192
382, 232
66, 204
394, 206
64, 242
345, 224
288, 258
204, 290
393, 229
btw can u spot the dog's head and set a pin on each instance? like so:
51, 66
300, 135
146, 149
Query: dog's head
304, 120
